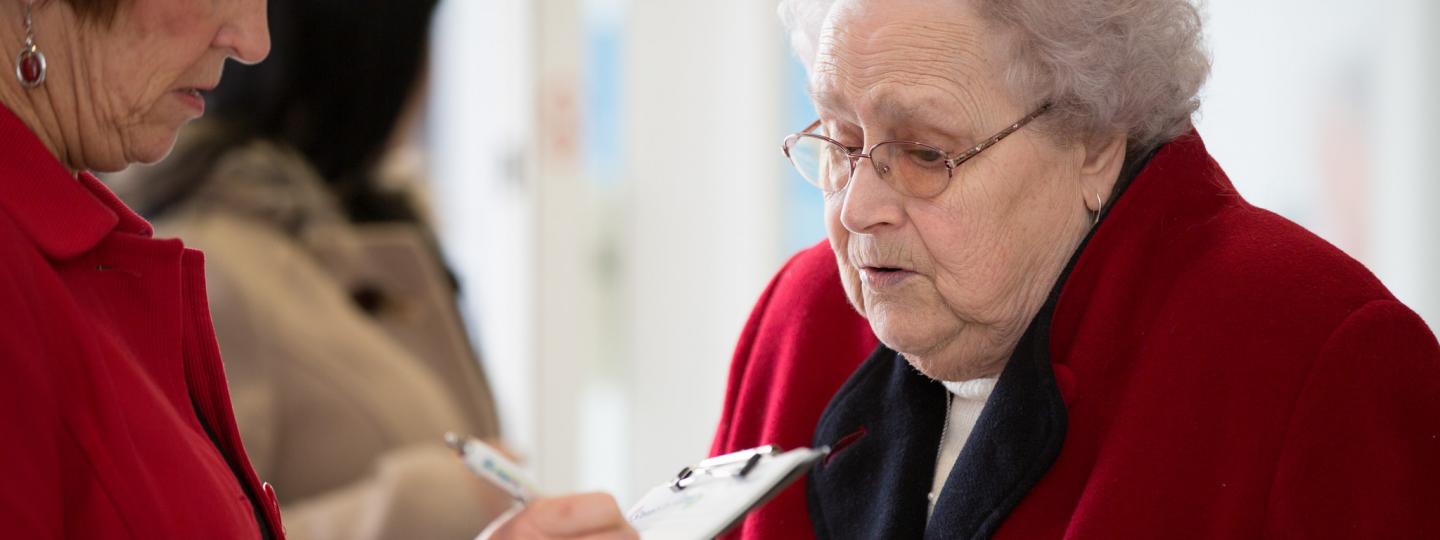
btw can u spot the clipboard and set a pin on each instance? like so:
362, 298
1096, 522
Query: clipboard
710, 498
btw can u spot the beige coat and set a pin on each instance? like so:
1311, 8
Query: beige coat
342, 409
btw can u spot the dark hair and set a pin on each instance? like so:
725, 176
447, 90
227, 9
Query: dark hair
339, 75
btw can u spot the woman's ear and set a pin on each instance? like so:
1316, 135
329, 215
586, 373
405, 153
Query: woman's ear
1104, 157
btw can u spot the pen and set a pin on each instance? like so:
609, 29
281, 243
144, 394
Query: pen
488, 463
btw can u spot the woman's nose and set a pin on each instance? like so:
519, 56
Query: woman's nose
871, 204
245, 32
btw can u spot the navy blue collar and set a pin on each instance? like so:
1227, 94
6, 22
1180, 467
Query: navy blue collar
884, 428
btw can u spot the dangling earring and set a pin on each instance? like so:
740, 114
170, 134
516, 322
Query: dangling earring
1098, 207
30, 63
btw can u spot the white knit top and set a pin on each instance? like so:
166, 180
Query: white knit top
967, 400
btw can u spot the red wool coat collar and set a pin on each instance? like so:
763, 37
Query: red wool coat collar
37, 190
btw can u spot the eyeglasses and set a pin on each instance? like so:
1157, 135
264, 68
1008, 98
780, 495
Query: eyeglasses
913, 168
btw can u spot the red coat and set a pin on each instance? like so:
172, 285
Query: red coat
802, 341
112, 377
1224, 373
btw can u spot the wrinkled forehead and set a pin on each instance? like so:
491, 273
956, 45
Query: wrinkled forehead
903, 57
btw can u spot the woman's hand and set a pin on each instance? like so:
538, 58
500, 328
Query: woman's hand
587, 515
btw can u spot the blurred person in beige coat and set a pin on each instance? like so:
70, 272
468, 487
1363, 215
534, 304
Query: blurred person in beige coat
335, 315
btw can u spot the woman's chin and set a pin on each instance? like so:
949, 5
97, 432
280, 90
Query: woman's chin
913, 338
950, 367
154, 150
945, 354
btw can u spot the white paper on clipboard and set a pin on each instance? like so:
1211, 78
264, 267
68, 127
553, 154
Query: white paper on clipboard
710, 498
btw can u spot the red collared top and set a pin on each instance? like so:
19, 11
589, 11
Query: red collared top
115, 421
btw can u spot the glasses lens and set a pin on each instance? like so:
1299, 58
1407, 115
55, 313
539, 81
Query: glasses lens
915, 169
823, 163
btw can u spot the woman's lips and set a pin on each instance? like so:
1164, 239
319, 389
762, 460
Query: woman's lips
192, 98
881, 278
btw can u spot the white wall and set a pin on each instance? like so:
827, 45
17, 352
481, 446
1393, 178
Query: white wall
701, 212
480, 130
1323, 111
607, 312
1406, 204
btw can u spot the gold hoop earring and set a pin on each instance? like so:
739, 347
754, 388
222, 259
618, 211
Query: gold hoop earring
1099, 206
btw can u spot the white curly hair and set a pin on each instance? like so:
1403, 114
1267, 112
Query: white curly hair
1106, 66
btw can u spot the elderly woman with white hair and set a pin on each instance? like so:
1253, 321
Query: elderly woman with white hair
1085, 331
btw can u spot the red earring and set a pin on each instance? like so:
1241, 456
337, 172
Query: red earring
30, 63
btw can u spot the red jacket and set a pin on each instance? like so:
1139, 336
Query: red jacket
115, 421
1224, 373
802, 341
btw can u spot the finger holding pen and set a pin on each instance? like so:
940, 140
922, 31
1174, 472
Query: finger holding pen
586, 515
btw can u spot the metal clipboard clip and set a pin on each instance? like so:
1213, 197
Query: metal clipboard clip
732, 465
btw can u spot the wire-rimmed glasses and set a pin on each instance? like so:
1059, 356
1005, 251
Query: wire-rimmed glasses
913, 168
